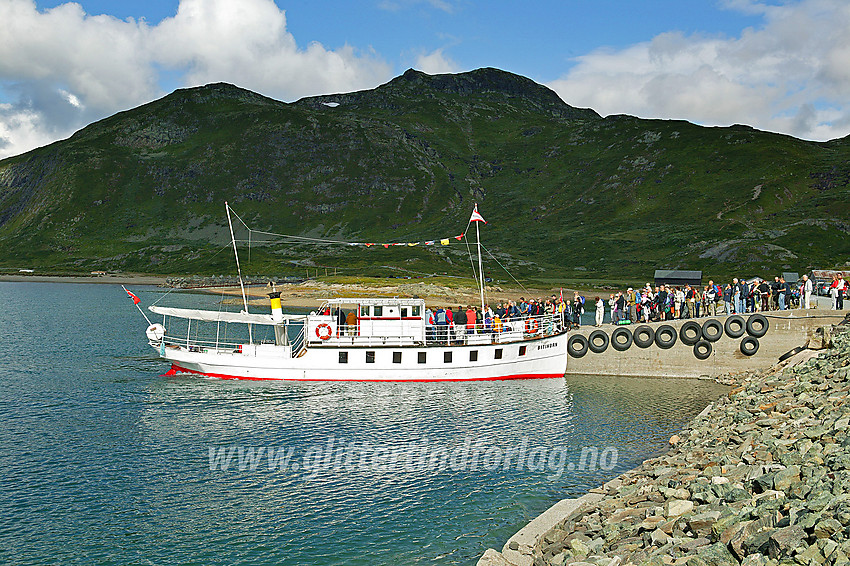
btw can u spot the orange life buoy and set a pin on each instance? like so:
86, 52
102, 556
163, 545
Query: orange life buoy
323, 331
531, 326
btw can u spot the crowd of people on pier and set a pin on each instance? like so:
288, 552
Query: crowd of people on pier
668, 302
634, 305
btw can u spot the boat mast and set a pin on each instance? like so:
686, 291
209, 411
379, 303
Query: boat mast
480, 266
235, 253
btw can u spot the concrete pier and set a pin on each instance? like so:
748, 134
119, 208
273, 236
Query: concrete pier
788, 329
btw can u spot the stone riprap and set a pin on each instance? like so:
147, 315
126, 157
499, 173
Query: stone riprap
762, 476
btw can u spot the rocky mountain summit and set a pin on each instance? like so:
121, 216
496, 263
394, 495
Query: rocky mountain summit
761, 477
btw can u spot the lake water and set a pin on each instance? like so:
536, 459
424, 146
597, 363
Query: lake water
107, 461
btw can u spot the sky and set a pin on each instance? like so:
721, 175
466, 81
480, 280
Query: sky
777, 65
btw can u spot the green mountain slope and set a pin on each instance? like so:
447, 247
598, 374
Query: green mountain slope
566, 193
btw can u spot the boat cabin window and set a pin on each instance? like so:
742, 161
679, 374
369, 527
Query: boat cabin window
422, 357
396, 357
370, 357
522, 350
414, 311
343, 357
403, 312
473, 355
377, 311
447, 357
498, 354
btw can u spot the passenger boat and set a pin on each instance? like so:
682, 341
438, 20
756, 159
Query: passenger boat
354, 339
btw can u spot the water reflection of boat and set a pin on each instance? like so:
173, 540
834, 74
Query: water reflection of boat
356, 339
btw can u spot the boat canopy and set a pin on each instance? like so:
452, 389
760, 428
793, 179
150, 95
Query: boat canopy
219, 316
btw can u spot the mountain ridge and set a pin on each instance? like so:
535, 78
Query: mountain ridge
567, 192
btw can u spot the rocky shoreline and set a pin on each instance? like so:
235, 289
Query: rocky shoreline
760, 477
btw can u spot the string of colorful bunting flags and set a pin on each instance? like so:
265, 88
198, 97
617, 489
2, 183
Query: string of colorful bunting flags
476, 217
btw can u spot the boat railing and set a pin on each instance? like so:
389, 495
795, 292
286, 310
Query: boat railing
510, 330
299, 342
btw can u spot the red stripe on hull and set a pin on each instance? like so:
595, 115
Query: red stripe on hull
177, 369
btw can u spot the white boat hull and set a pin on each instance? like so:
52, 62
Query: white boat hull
527, 359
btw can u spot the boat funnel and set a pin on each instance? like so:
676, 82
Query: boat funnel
277, 310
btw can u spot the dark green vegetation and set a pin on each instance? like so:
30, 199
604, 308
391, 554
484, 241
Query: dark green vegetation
567, 194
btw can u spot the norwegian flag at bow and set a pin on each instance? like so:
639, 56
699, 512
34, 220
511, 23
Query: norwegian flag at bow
476, 217
136, 300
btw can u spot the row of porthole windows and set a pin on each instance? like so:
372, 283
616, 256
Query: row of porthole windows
422, 356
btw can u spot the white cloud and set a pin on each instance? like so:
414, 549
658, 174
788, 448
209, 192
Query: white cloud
246, 42
791, 75
21, 130
67, 68
436, 62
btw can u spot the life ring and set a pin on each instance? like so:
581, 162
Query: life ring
320, 331
702, 349
749, 345
643, 336
598, 341
712, 330
577, 345
531, 326
757, 325
690, 333
665, 336
735, 326
621, 338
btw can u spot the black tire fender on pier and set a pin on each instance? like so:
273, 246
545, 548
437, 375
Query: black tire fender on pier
598, 341
577, 345
702, 349
790, 353
665, 336
712, 330
757, 325
621, 339
749, 345
690, 333
643, 336
735, 326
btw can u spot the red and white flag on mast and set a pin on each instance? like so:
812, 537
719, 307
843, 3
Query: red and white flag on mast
136, 300
476, 217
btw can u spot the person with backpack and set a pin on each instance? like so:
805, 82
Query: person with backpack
709, 306
631, 304
442, 325
578, 308
806, 293
471, 319
764, 295
690, 302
